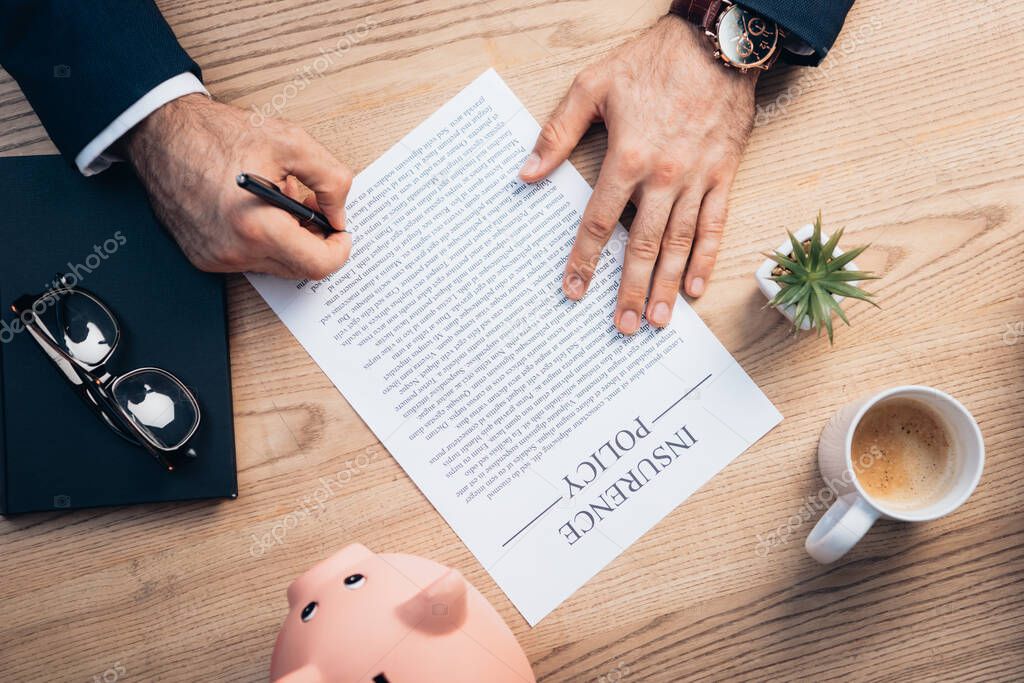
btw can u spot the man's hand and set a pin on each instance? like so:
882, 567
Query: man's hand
678, 122
187, 154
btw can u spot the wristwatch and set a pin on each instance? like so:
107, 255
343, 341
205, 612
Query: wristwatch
742, 39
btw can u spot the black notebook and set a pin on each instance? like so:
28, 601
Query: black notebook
55, 453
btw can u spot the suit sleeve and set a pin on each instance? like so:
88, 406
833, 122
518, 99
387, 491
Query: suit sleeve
81, 63
816, 22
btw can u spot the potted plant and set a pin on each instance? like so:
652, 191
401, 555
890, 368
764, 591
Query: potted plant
808, 277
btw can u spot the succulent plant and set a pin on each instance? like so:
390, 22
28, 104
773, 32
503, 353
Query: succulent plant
811, 277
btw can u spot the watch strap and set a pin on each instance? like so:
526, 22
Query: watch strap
704, 13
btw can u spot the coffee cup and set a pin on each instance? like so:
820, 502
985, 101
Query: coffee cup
910, 453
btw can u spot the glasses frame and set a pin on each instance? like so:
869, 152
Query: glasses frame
94, 383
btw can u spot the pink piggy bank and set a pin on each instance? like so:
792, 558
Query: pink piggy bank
360, 617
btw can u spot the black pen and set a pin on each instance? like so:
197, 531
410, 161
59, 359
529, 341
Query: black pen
270, 193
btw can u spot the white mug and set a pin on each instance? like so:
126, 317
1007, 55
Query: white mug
855, 511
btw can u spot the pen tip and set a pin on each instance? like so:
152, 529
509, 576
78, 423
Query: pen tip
240, 178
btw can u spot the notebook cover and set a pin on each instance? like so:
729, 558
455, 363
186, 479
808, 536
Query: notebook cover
55, 453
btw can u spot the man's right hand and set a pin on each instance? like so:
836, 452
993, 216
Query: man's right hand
187, 154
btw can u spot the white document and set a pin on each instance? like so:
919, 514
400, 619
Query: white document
548, 441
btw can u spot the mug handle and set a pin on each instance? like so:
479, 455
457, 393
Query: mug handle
840, 528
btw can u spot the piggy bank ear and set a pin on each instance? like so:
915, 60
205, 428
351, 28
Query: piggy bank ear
307, 674
438, 608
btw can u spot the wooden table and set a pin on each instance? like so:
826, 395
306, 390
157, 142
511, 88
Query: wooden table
910, 135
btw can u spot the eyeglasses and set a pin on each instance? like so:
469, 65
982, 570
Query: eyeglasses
149, 407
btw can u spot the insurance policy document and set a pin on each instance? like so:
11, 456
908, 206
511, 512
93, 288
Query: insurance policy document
547, 440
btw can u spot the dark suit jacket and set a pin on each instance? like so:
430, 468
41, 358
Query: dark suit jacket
81, 63
817, 22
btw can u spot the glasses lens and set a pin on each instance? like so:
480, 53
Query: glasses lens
80, 325
159, 405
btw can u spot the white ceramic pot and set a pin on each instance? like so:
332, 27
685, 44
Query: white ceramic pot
770, 288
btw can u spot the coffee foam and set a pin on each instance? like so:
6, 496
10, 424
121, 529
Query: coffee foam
902, 454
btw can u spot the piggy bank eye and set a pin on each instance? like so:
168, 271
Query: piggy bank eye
354, 581
308, 611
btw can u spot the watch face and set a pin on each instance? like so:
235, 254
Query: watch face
744, 38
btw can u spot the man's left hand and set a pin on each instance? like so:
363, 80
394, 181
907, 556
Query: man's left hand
678, 121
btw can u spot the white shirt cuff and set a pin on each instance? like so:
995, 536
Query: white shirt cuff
94, 157
797, 45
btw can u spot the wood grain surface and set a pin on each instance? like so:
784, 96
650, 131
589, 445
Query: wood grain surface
910, 135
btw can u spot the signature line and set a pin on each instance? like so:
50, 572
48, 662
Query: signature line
558, 500
692, 389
